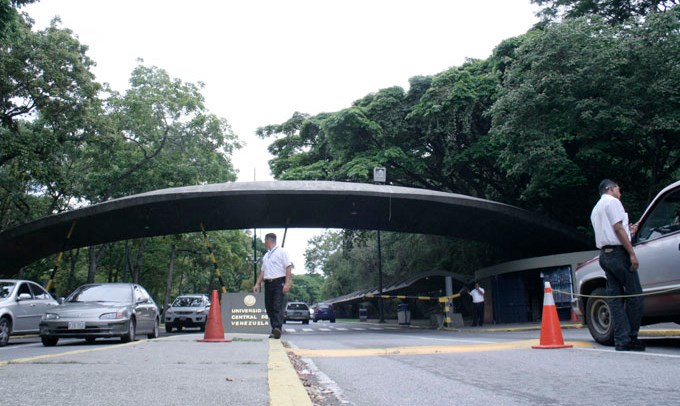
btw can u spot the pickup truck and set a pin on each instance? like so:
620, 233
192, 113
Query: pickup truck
657, 246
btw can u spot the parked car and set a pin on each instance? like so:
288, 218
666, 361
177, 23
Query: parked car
324, 311
657, 246
187, 311
22, 304
296, 311
102, 310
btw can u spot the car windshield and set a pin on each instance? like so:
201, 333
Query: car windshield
188, 302
6, 289
102, 293
298, 306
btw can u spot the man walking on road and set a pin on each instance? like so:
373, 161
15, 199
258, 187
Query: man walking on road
276, 274
620, 264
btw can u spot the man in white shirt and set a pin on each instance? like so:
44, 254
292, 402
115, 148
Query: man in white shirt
276, 275
620, 265
477, 305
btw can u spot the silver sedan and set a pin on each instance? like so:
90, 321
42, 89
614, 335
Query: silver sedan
102, 310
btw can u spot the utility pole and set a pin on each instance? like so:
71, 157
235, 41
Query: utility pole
379, 178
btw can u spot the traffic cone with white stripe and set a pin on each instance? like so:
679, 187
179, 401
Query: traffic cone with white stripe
551, 332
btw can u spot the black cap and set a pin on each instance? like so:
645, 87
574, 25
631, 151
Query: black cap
605, 185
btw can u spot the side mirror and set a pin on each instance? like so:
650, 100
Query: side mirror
24, 296
61, 300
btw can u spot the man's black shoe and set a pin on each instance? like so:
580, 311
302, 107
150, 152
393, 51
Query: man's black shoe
271, 335
630, 347
637, 345
276, 333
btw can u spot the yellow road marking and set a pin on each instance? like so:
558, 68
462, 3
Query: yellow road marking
285, 388
423, 350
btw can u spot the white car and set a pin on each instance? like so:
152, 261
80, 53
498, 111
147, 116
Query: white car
187, 311
22, 305
657, 247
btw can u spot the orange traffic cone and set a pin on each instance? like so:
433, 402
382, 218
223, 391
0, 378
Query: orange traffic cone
551, 332
214, 329
574, 317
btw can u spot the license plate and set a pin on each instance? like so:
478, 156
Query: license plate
182, 319
76, 325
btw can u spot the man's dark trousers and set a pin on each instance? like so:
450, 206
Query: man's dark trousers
478, 318
621, 281
273, 301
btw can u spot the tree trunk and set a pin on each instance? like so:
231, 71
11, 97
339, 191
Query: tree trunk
138, 264
92, 264
168, 284
71, 279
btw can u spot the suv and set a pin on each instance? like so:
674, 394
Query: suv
22, 305
324, 311
657, 246
297, 311
187, 311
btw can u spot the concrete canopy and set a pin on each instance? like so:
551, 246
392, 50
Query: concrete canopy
293, 204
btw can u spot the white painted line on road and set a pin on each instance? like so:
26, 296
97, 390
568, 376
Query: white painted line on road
15, 346
638, 353
376, 329
325, 329
290, 330
307, 329
358, 329
341, 329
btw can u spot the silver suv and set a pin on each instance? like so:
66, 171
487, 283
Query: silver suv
296, 311
657, 246
187, 311
22, 305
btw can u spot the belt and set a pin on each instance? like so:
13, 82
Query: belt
610, 248
274, 279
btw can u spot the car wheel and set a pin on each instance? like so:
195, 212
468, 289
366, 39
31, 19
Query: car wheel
49, 341
155, 332
305, 321
598, 318
203, 327
90, 340
5, 330
168, 327
179, 328
131, 333
332, 320
315, 320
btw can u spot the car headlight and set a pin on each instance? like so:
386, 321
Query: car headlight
50, 316
200, 311
112, 316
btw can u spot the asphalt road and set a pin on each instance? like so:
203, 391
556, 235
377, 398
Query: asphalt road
415, 366
344, 364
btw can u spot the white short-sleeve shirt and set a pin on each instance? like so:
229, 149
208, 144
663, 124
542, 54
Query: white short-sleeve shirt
607, 212
275, 262
477, 295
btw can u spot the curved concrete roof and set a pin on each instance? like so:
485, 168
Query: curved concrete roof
293, 204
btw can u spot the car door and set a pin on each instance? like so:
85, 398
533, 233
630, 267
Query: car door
43, 301
658, 250
142, 310
26, 315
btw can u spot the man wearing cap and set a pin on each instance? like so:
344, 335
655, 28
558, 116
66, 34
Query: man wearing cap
276, 274
620, 264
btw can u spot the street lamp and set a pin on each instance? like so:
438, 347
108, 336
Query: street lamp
379, 178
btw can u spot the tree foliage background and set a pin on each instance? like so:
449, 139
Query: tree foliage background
592, 91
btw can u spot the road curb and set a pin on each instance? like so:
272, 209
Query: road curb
285, 387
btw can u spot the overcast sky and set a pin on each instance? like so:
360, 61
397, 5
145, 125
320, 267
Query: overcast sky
261, 61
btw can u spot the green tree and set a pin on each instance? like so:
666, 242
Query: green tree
49, 110
584, 100
614, 11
